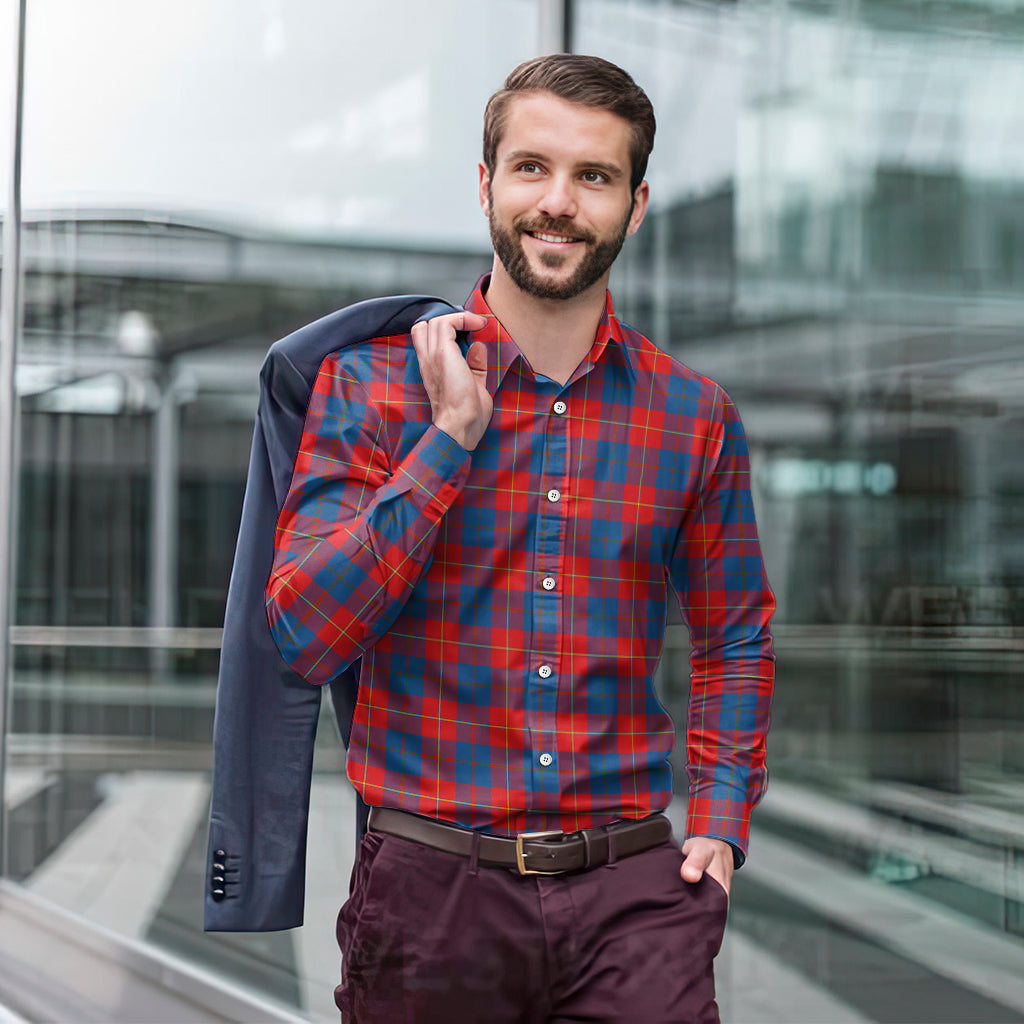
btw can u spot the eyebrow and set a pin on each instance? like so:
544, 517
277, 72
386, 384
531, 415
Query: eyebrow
611, 170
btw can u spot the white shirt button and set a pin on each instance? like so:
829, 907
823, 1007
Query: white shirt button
554, 495
545, 759
544, 671
548, 583
560, 407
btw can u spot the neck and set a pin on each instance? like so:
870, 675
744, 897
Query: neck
554, 334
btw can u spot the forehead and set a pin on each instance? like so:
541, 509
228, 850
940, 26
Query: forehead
542, 123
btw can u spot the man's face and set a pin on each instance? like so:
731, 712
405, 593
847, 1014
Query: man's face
559, 203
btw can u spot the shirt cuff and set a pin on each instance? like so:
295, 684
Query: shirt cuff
738, 855
728, 820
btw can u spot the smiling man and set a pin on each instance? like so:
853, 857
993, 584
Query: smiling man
493, 519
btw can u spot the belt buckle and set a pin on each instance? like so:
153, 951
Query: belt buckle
521, 856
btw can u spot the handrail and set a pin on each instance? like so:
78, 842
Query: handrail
169, 637
53, 962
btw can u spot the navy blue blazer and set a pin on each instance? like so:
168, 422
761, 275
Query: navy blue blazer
266, 714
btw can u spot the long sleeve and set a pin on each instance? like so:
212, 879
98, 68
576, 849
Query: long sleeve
718, 575
356, 531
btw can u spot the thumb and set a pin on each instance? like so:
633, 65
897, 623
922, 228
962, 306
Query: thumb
694, 865
477, 357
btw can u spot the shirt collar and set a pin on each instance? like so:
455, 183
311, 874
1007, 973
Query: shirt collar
502, 351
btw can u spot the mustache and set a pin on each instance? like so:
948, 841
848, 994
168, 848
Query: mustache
552, 226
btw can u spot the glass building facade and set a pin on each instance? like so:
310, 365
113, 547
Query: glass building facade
836, 235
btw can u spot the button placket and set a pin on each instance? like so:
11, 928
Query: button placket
551, 510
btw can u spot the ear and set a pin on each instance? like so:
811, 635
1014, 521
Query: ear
485, 182
640, 199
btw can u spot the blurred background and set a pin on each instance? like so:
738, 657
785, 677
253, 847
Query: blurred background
836, 235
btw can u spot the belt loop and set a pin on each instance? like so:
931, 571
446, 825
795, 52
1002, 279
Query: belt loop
587, 852
610, 833
474, 853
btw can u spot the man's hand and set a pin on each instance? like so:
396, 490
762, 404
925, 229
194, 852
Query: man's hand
711, 855
456, 386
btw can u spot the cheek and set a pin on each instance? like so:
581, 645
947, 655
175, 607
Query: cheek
512, 198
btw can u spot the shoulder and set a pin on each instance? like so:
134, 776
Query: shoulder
376, 377
665, 376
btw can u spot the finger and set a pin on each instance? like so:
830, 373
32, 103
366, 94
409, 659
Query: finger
471, 321
464, 320
442, 329
421, 344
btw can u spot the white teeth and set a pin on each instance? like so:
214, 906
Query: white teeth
551, 238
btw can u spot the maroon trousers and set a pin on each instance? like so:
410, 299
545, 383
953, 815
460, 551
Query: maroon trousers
431, 938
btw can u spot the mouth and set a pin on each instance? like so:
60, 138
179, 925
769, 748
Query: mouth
555, 244
546, 236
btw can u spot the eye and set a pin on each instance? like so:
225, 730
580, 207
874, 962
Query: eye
529, 167
594, 177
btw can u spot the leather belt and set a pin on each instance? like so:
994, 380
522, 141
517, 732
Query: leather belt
529, 853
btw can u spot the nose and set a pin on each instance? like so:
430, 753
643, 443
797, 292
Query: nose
559, 198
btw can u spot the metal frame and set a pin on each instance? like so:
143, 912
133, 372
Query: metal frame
10, 324
554, 26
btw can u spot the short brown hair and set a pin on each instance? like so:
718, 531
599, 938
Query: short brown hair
577, 78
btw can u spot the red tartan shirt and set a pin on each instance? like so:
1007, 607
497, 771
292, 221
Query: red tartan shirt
509, 603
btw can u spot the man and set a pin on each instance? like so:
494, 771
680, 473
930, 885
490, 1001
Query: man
491, 518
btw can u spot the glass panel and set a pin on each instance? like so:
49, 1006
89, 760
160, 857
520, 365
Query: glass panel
8, 54
201, 178
326, 119
8, 26
837, 237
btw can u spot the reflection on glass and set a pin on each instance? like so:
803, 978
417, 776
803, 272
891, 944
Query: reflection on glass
8, 25
854, 279
200, 179
332, 120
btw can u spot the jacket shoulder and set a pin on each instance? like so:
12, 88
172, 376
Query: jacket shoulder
362, 321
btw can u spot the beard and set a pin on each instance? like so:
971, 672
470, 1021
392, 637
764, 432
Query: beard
599, 255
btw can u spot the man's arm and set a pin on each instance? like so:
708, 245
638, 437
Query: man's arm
725, 599
354, 535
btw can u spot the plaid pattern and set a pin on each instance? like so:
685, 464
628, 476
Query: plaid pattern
509, 604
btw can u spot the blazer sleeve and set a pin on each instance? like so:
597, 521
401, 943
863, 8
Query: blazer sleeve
266, 715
